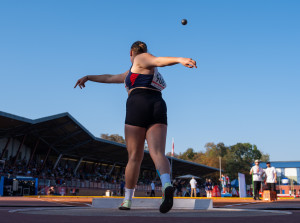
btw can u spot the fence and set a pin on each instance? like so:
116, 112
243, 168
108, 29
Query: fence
44, 185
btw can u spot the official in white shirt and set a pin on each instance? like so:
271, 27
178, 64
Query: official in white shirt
258, 173
271, 177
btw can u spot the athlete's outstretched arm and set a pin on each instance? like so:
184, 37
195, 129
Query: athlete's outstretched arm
103, 78
147, 60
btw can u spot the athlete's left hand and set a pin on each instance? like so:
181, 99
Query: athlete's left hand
81, 82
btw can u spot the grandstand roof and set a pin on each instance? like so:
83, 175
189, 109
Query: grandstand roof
65, 135
282, 164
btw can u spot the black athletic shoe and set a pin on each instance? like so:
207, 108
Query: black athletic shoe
167, 198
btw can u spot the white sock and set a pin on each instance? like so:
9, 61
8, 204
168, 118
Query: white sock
128, 194
165, 178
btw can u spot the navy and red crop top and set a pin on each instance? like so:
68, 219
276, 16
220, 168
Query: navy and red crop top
153, 81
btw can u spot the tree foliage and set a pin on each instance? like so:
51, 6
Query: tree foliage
119, 139
235, 159
113, 137
189, 154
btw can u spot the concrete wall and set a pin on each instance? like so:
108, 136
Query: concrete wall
286, 189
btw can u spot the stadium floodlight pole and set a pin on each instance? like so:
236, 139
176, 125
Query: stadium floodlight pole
171, 167
172, 154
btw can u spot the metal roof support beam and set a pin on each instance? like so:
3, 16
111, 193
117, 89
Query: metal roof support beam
33, 152
78, 164
20, 147
111, 170
57, 161
45, 160
5, 147
44, 141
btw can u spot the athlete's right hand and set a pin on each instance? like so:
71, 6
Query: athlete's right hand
81, 82
188, 62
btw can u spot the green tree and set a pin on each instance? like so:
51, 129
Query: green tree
240, 158
235, 159
175, 155
265, 157
114, 138
189, 154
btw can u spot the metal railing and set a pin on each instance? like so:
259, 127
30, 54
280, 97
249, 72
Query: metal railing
79, 184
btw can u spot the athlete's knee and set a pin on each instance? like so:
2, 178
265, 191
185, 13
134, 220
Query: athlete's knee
135, 157
157, 153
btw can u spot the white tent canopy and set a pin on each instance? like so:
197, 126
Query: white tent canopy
189, 176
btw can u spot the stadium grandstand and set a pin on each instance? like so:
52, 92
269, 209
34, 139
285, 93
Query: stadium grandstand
57, 151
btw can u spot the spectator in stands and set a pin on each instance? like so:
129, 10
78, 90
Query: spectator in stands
51, 190
206, 186
152, 194
209, 188
228, 184
223, 183
179, 188
122, 185
197, 192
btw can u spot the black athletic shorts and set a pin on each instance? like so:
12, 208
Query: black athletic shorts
145, 107
271, 186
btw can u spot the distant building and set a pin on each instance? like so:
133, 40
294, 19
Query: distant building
288, 176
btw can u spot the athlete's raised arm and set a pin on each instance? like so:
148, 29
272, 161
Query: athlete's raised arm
147, 60
103, 78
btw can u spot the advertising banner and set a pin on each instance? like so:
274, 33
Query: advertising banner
242, 185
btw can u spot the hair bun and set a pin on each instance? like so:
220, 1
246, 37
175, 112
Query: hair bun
139, 47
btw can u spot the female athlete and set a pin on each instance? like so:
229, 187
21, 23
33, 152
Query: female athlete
146, 117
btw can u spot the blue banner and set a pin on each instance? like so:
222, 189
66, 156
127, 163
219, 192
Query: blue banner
1, 186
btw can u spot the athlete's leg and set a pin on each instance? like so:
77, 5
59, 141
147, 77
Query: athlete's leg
135, 140
156, 138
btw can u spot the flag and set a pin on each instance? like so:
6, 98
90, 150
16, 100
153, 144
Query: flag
172, 147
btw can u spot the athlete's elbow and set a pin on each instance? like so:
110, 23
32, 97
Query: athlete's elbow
161, 65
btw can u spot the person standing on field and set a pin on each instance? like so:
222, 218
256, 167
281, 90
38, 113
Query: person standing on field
193, 184
258, 173
271, 177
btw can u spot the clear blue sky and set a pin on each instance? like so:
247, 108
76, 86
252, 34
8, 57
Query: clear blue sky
246, 87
